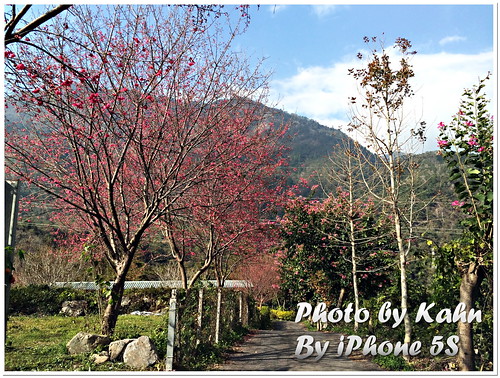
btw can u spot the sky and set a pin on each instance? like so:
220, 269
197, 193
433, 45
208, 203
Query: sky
309, 49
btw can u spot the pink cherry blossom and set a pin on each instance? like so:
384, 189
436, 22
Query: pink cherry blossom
442, 143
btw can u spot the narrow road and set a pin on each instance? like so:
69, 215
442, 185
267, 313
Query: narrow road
274, 350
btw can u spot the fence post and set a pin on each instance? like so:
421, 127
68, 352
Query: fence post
240, 302
172, 317
11, 202
246, 313
218, 316
200, 316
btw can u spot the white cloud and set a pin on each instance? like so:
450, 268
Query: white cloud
451, 39
323, 10
322, 93
440, 80
316, 92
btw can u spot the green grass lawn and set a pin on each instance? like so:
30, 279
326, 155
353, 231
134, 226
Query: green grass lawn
39, 343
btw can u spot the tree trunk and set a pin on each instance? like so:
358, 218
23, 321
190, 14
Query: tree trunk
354, 270
404, 286
471, 280
352, 237
113, 306
404, 298
394, 196
341, 298
200, 316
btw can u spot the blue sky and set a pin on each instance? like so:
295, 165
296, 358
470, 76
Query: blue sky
310, 47
303, 35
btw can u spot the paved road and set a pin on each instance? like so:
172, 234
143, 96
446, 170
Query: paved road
274, 350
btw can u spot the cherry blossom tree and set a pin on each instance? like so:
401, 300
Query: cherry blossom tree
222, 224
316, 250
262, 274
222, 221
125, 112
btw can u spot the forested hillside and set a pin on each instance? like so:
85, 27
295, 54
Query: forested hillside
310, 147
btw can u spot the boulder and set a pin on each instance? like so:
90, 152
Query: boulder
84, 342
140, 353
100, 358
125, 301
116, 349
74, 308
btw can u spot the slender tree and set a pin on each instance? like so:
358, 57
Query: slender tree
262, 274
347, 176
123, 110
382, 124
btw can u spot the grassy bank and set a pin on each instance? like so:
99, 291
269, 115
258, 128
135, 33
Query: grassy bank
39, 343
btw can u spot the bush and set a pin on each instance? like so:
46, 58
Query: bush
392, 362
46, 300
34, 299
265, 318
283, 315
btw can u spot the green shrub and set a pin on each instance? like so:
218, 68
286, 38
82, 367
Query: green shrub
46, 300
282, 314
35, 299
265, 318
392, 362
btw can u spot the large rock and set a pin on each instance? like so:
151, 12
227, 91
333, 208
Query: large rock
100, 358
84, 342
74, 308
116, 349
140, 353
125, 301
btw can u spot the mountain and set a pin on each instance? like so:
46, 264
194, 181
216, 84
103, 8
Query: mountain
309, 144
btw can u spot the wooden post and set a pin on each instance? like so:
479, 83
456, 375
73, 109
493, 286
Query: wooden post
11, 199
200, 316
246, 318
217, 318
240, 315
172, 317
